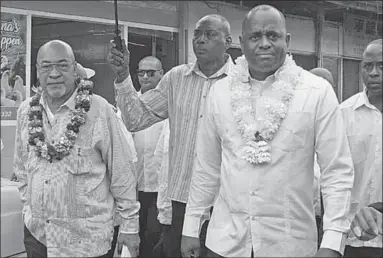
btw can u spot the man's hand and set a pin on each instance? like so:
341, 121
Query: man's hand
132, 241
119, 61
325, 252
190, 246
367, 224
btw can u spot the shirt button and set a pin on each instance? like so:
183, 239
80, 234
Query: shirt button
200, 116
47, 221
46, 181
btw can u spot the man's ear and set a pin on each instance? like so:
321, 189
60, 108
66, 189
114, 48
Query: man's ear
241, 42
228, 41
161, 72
288, 39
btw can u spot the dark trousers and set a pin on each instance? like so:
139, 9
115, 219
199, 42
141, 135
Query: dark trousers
149, 225
363, 251
172, 244
34, 248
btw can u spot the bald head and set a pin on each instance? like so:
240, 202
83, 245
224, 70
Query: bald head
264, 8
150, 62
55, 45
216, 17
324, 73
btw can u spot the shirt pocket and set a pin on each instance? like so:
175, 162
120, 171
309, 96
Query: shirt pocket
293, 133
80, 163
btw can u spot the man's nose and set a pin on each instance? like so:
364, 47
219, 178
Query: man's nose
265, 43
54, 72
374, 71
145, 75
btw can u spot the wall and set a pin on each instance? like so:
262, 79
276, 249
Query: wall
159, 13
301, 29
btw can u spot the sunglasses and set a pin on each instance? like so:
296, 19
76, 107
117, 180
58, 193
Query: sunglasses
150, 72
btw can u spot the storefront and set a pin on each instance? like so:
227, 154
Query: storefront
150, 28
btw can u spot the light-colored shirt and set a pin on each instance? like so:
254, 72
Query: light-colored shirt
164, 204
180, 96
148, 165
363, 123
269, 207
69, 205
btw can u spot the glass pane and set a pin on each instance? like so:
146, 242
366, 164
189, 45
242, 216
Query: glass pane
90, 43
145, 42
351, 71
332, 64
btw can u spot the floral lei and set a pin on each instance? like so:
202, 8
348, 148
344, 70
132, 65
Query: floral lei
257, 135
58, 150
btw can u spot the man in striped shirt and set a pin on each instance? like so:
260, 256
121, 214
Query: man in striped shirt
180, 96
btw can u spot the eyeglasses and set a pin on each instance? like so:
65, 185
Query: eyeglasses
47, 67
150, 72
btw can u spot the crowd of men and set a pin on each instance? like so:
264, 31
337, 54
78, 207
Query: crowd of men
263, 141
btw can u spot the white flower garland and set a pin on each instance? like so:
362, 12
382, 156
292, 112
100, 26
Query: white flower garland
255, 134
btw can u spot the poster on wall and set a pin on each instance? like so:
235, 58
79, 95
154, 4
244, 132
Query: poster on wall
13, 58
358, 32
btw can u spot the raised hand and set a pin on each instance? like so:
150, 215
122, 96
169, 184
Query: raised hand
119, 61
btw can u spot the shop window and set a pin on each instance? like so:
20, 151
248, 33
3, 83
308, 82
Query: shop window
351, 75
332, 64
145, 42
307, 62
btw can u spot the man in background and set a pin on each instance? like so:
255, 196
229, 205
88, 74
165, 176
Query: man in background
362, 115
148, 165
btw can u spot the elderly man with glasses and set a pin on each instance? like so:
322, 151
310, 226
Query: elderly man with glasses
74, 165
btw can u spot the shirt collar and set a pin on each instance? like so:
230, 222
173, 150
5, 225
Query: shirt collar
363, 100
70, 103
271, 77
225, 69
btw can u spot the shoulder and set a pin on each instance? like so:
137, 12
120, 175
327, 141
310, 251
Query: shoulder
179, 70
351, 101
100, 107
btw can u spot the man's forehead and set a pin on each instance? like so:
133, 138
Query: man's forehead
209, 23
373, 52
147, 64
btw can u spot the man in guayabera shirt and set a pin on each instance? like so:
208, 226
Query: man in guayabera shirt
75, 166
180, 96
255, 155
148, 165
362, 114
